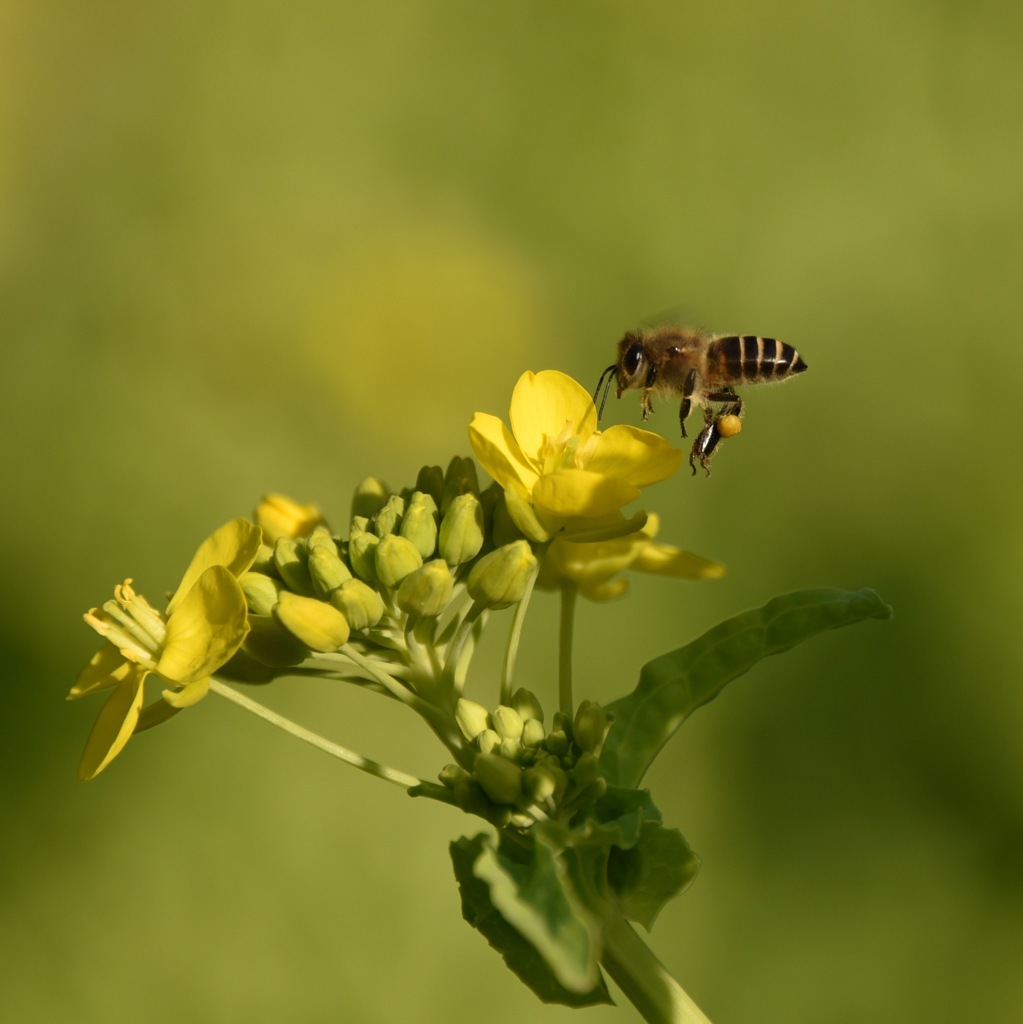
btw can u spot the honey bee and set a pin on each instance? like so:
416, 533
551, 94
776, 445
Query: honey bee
702, 369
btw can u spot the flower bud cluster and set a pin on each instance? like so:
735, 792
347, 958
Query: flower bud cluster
522, 770
410, 558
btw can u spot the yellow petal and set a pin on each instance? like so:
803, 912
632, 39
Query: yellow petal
106, 668
234, 546
665, 560
206, 628
544, 404
612, 527
277, 515
578, 492
191, 694
156, 714
604, 591
115, 724
635, 455
499, 453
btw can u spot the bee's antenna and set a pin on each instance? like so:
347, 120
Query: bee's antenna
608, 375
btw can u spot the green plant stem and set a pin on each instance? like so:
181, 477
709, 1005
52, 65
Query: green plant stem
514, 635
646, 982
565, 701
380, 771
462, 645
379, 675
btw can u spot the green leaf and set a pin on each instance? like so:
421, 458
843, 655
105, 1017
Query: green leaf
513, 895
671, 687
624, 858
652, 872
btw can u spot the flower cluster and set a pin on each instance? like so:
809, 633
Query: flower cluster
397, 603
521, 771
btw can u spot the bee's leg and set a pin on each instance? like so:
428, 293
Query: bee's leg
687, 400
709, 438
705, 443
651, 378
727, 395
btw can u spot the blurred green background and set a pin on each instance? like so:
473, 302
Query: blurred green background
251, 247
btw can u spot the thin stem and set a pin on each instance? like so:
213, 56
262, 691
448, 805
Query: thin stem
462, 664
435, 716
456, 649
568, 596
646, 982
514, 635
385, 679
335, 750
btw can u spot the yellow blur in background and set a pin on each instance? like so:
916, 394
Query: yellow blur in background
247, 247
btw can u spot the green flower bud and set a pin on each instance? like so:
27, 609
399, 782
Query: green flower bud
431, 481
396, 557
326, 570
544, 757
501, 815
526, 704
260, 592
590, 727
499, 580
499, 779
362, 548
451, 774
459, 479
560, 779
427, 591
501, 527
369, 497
290, 562
524, 516
360, 524
321, 627
562, 723
507, 722
585, 770
264, 562
533, 732
539, 783
360, 604
387, 519
321, 538
470, 797
558, 740
461, 530
268, 642
472, 718
511, 750
487, 742
419, 523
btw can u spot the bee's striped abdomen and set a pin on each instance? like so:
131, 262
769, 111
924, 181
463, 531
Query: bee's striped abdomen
756, 360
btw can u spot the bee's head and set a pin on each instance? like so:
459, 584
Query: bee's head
632, 360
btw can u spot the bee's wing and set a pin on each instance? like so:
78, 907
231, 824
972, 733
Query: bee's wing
671, 316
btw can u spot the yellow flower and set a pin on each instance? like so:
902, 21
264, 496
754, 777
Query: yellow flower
556, 459
204, 625
280, 516
593, 566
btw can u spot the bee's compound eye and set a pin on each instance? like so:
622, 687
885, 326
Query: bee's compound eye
729, 426
633, 359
